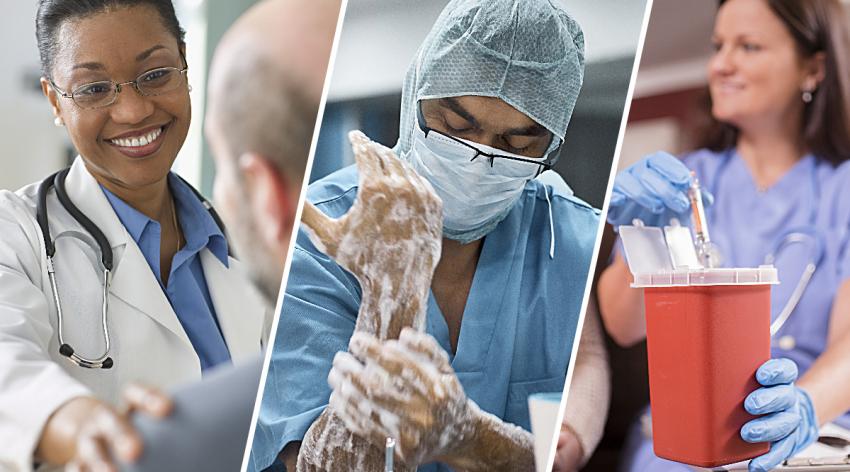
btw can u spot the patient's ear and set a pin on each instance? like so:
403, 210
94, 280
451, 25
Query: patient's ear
274, 199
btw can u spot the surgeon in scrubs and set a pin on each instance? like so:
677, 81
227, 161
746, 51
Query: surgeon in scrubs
485, 106
775, 165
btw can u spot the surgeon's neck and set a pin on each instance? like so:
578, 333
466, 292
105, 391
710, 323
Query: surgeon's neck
452, 282
771, 151
458, 261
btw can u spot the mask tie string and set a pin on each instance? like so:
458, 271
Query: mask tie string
551, 224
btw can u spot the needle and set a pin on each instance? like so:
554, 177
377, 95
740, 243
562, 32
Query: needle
390, 455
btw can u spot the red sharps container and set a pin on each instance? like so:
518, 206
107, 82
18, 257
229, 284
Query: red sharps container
708, 331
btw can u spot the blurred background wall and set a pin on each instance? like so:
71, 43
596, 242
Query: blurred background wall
33, 147
380, 38
666, 109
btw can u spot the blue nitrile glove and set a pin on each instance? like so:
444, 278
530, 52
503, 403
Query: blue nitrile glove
789, 422
655, 189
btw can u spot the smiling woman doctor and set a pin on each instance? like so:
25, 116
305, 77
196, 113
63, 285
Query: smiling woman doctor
116, 223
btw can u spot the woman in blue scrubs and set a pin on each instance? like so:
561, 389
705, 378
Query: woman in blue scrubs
773, 162
498, 90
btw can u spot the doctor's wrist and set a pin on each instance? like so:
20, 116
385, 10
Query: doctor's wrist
465, 440
488, 443
58, 442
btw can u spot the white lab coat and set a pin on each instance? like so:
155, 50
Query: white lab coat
149, 344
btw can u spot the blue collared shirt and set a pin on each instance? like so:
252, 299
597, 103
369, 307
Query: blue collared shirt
187, 289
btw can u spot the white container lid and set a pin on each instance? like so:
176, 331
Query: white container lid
667, 258
762, 275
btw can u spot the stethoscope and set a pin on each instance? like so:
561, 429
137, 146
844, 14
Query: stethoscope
57, 181
808, 235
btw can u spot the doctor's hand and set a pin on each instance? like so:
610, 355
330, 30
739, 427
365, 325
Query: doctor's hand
86, 433
403, 389
393, 229
655, 189
406, 389
108, 433
789, 424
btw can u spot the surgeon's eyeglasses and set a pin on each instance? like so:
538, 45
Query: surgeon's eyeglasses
542, 163
101, 94
491, 158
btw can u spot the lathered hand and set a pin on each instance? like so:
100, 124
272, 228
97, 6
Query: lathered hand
390, 241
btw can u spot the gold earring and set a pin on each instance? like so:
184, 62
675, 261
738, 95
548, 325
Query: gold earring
58, 121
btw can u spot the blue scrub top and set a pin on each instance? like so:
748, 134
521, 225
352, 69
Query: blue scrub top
747, 223
517, 330
187, 289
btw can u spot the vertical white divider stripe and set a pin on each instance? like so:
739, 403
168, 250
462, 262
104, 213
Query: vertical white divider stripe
276, 313
591, 270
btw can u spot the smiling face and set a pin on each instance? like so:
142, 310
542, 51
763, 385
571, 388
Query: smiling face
120, 45
757, 73
488, 121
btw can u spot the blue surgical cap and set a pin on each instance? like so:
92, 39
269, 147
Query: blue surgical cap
528, 53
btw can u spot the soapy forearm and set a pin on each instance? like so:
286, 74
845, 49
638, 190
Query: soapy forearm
494, 445
390, 241
329, 446
406, 389
388, 306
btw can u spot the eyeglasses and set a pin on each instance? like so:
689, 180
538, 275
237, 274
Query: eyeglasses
491, 158
516, 163
101, 94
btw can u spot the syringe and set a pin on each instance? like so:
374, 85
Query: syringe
706, 251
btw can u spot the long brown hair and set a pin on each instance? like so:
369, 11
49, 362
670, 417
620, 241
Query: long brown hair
816, 26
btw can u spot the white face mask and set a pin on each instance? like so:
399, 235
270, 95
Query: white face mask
476, 196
